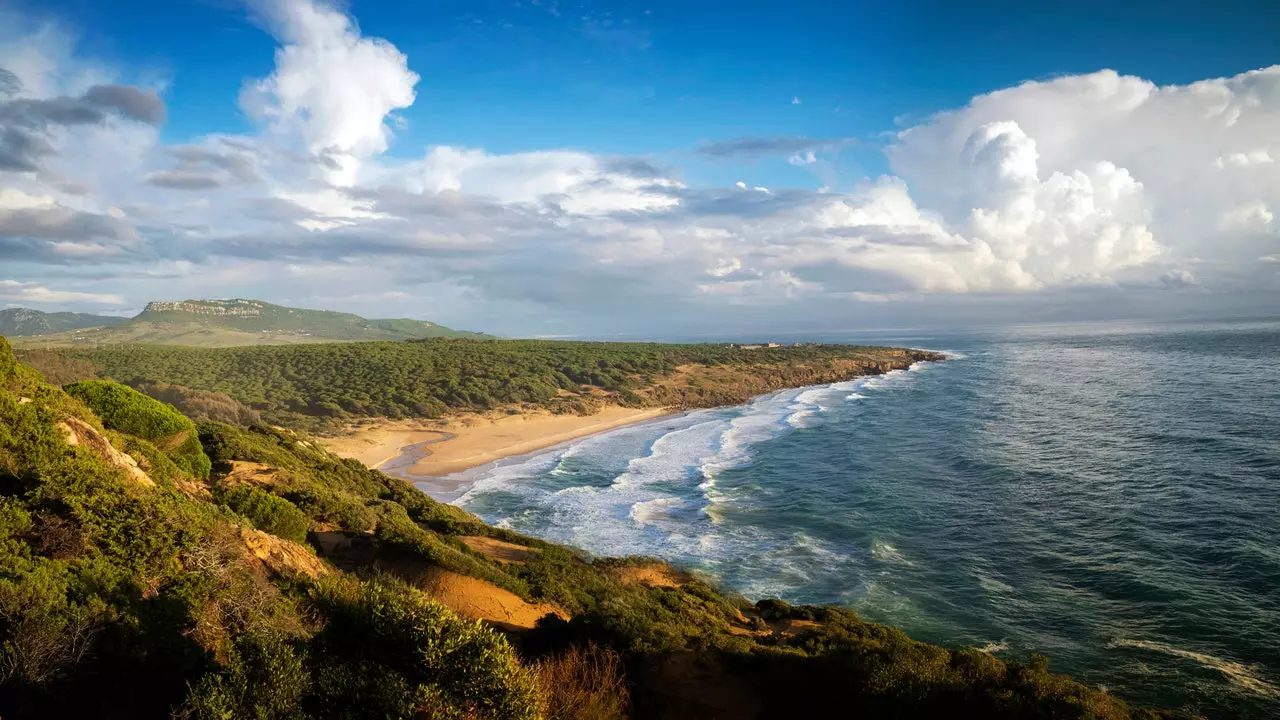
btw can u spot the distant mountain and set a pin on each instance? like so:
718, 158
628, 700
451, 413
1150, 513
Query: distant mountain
223, 323
25, 321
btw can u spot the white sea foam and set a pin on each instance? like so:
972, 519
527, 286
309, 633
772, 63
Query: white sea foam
658, 513
886, 553
992, 585
994, 647
666, 495
1243, 676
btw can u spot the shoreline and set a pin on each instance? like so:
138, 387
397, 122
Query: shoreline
425, 451
420, 451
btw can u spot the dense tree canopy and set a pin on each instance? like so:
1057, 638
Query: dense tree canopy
429, 378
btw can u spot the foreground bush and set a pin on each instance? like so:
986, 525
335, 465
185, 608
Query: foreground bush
129, 411
388, 637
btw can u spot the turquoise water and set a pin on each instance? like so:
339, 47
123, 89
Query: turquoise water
1106, 495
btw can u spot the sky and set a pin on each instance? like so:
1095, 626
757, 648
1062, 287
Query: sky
644, 169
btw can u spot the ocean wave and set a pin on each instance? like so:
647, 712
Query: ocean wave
1243, 676
657, 512
569, 453
994, 647
799, 419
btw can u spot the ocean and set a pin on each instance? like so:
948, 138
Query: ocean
1107, 495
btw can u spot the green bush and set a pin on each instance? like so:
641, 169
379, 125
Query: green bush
129, 411
396, 636
267, 512
7, 361
265, 678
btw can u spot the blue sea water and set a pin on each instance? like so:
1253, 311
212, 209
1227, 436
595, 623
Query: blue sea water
1107, 495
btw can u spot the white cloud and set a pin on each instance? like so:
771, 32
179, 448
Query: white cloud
805, 158
577, 182
1245, 159
1246, 217
24, 292
1160, 141
331, 86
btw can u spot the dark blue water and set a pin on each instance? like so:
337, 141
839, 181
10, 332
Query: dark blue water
1106, 495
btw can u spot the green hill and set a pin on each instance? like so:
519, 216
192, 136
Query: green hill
293, 584
224, 323
24, 321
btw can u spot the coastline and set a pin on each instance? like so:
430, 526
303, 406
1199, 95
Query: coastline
415, 449
422, 450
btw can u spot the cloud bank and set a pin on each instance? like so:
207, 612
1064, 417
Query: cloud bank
1080, 186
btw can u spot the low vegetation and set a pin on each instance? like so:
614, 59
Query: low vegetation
128, 599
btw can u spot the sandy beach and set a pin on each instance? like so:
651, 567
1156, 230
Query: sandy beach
444, 447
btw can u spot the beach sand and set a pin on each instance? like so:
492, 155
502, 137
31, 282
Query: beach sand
445, 447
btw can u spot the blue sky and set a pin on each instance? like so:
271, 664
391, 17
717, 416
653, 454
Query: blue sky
675, 85
660, 77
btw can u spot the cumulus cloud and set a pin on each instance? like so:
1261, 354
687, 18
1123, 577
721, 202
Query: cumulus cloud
331, 86
1198, 151
1246, 217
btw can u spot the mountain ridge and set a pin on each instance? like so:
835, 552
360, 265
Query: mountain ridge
21, 321
241, 321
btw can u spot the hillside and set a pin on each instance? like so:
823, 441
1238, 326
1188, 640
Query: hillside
255, 575
24, 321
320, 387
225, 323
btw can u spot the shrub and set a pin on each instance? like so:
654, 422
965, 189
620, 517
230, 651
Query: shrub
267, 512
265, 678
583, 683
452, 667
7, 361
129, 411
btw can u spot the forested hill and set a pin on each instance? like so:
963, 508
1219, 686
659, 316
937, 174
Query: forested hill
314, 386
25, 321
225, 323
152, 567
